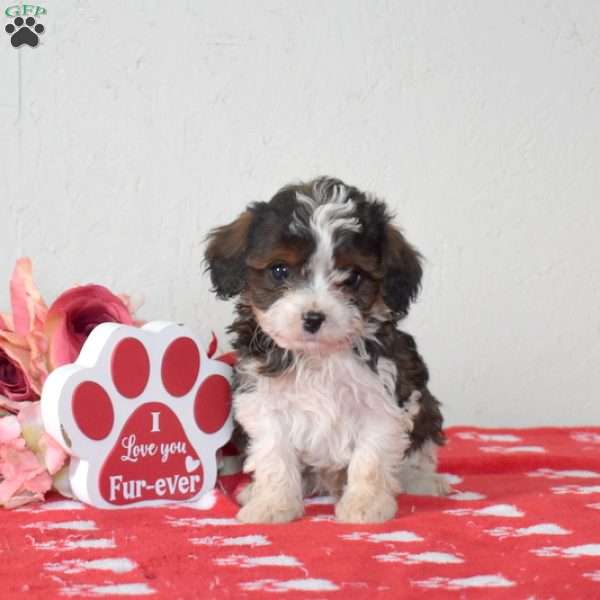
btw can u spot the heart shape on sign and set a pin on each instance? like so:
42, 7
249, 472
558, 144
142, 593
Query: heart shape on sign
191, 464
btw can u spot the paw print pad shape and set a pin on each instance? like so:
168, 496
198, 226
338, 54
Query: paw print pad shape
142, 413
24, 31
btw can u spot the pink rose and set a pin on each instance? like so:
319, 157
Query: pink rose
73, 316
14, 361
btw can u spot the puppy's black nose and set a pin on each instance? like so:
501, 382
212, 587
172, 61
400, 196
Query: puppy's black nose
312, 320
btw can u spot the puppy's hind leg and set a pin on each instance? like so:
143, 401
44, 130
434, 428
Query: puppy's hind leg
323, 482
243, 496
418, 474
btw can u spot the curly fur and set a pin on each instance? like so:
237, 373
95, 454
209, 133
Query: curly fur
343, 408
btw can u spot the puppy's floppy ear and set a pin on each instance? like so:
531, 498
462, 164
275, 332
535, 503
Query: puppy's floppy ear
225, 256
402, 271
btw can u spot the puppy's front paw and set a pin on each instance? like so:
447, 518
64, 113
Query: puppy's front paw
361, 507
270, 510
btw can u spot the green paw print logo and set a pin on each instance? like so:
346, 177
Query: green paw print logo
24, 30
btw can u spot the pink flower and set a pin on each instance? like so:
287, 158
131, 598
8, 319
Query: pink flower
74, 314
10, 428
28, 309
28, 456
15, 362
53, 454
33, 341
28, 415
22, 341
29, 313
22, 478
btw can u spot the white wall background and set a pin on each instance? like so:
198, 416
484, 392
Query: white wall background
137, 126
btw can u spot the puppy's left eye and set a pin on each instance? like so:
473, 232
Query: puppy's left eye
279, 272
353, 279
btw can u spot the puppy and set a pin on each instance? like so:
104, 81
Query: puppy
332, 396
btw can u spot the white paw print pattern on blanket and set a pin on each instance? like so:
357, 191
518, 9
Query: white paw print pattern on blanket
462, 583
518, 525
564, 474
576, 489
540, 529
508, 511
570, 551
586, 437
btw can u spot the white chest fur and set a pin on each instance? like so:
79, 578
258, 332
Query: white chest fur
322, 409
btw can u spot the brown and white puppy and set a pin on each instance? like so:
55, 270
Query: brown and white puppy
332, 396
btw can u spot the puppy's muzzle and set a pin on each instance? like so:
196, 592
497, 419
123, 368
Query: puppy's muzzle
312, 321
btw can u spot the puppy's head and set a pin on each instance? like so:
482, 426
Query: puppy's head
320, 265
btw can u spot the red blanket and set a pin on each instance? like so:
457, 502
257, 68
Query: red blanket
523, 522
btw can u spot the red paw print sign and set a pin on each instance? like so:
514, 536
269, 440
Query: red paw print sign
143, 413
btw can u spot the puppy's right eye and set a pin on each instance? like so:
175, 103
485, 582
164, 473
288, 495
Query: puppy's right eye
353, 279
279, 272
